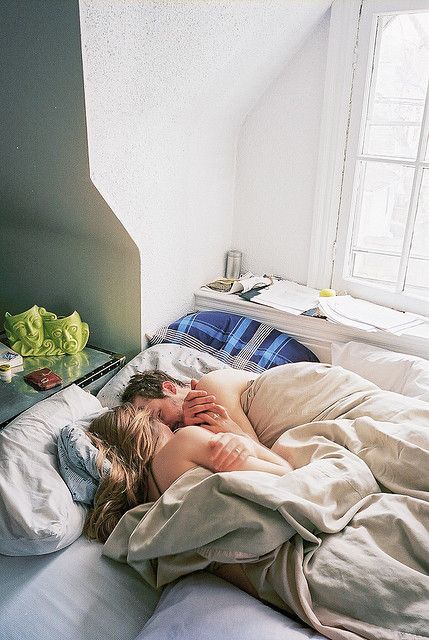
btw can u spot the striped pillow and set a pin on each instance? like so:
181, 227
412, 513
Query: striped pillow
236, 340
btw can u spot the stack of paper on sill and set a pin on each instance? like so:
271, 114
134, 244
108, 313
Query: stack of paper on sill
367, 316
288, 296
245, 283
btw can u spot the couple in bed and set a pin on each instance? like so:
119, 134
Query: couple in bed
358, 496
164, 428
156, 435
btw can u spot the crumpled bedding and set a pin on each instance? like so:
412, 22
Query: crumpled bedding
342, 541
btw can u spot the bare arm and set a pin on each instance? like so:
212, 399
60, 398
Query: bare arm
203, 452
195, 446
231, 453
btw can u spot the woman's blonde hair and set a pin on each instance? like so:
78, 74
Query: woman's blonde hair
127, 437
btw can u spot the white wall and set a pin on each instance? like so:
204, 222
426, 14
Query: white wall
167, 85
276, 165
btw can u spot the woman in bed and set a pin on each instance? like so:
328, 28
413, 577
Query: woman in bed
147, 457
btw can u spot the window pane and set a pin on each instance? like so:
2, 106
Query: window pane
418, 268
417, 277
398, 86
376, 267
382, 201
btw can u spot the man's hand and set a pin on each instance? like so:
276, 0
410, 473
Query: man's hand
227, 449
196, 403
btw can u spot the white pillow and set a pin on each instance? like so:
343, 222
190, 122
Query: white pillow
399, 372
38, 514
202, 605
182, 363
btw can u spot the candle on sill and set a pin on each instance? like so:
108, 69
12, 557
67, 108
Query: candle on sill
233, 264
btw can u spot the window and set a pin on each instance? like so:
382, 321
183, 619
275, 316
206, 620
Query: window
381, 235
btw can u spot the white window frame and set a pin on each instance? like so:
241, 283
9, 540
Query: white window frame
349, 48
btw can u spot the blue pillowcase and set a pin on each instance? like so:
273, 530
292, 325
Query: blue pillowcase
77, 461
236, 340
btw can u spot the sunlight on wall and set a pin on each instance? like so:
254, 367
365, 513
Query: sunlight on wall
167, 85
277, 163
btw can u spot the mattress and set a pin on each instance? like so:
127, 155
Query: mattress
73, 594
78, 594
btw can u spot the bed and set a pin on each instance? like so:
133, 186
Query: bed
55, 583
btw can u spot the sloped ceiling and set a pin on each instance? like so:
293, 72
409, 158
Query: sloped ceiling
160, 68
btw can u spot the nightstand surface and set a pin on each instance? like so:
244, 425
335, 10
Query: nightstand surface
83, 369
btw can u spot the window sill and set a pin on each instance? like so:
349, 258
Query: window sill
316, 333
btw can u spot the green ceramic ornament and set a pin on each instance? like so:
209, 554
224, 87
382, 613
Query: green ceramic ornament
65, 335
37, 332
25, 330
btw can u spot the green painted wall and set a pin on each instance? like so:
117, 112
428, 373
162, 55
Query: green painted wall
61, 246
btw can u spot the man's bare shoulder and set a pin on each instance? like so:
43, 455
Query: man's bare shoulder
228, 386
225, 377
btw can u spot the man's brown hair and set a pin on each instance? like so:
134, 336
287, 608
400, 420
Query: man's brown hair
148, 384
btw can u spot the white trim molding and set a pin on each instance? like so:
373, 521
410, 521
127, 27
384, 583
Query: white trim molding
343, 38
367, 51
315, 333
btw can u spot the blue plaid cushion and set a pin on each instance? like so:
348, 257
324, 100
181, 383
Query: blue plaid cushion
238, 341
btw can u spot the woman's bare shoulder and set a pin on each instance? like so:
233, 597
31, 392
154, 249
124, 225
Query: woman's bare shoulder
180, 454
190, 435
184, 440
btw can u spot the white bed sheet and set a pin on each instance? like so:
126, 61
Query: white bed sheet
73, 594
78, 594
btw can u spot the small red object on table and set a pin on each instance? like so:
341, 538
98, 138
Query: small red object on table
43, 379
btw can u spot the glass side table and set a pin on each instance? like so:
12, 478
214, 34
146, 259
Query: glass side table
90, 369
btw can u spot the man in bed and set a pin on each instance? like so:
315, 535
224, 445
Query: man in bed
265, 406
212, 402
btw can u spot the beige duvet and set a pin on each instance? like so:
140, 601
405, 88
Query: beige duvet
342, 541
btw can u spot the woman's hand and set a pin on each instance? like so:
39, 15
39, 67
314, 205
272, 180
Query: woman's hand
227, 449
218, 421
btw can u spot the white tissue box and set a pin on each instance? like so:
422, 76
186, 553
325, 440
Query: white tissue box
9, 356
